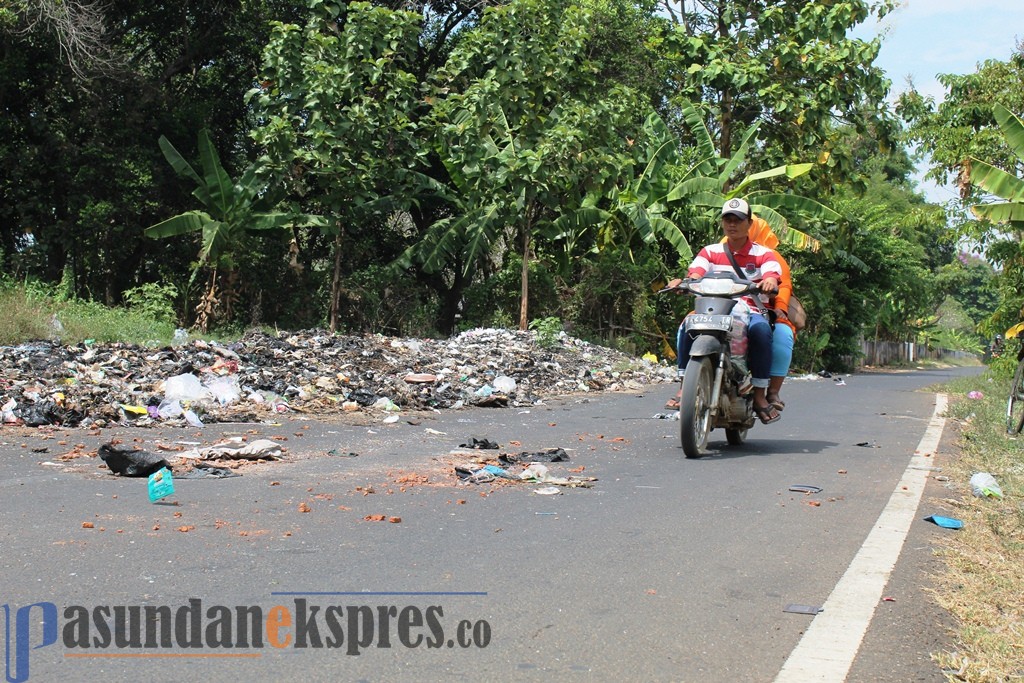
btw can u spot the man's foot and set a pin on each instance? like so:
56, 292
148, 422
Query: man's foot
767, 414
778, 403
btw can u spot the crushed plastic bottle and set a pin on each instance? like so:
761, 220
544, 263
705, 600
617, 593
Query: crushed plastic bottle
180, 335
983, 485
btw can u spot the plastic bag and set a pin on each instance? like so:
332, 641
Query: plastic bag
161, 485
738, 332
983, 485
185, 387
224, 389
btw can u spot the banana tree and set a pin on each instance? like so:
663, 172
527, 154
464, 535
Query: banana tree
1008, 213
632, 210
233, 212
708, 185
997, 182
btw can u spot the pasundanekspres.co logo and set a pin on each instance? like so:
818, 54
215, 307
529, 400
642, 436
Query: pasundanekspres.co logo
198, 630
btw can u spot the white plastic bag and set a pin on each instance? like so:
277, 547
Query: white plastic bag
224, 389
185, 387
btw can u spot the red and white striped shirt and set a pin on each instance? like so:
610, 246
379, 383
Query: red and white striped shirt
756, 261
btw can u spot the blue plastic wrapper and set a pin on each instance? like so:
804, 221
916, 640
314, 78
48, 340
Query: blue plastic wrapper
161, 484
945, 522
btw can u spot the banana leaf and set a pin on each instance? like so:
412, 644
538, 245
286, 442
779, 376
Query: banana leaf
739, 156
996, 181
786, 233
1012, 127
218, 183
1001, 212
791, 171
798, 204
193, 221
705, 145
693, 186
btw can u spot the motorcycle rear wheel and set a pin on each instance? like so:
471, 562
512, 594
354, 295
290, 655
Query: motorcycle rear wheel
695, 407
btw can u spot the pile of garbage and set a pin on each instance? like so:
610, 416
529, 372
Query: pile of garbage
196, 381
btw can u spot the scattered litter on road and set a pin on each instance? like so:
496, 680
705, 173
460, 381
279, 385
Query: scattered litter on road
868, 444
476, 443
547, 455
161, 485
945, 522
548, 491
805, 488
983, 485
128, 461
236, 449
803, 609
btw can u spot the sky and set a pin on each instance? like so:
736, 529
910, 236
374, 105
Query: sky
924, 38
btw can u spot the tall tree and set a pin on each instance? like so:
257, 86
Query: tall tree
337, 105
789, 64
527, 126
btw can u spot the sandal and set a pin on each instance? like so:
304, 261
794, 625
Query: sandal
765, 414
777, 403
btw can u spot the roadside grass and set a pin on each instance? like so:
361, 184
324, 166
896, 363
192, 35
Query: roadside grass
982, 585
31, 313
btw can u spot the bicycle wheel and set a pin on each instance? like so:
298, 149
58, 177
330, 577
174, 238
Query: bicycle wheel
1015, 404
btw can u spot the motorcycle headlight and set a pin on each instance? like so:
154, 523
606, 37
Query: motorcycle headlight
717, 287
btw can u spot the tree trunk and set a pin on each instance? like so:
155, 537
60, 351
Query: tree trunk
725, 142
525, 279
336, 283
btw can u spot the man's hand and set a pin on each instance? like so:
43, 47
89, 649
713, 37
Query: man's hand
769, 285
674, 282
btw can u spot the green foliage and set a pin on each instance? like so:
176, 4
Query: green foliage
152, 300
338, 104
964, 125
790, 65
609, 299
493, 301
710, 182
548, 331
233, 209
524, 130
375, 300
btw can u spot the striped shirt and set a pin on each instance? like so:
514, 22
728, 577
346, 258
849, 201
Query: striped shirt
756, 261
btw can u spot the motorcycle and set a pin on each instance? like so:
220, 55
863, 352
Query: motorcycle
712, 393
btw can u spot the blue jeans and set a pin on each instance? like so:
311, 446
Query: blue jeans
782, 350
759, 349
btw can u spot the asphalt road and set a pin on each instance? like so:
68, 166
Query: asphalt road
667, 569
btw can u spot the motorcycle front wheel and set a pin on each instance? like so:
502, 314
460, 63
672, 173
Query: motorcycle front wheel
695, 407
735, 437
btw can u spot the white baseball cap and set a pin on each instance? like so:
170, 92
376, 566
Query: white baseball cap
738, 207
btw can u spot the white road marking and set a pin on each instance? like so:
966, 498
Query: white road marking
828, 647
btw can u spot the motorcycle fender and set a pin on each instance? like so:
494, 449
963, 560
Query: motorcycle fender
705, 345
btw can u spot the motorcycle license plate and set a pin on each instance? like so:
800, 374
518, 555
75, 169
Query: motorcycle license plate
704, 321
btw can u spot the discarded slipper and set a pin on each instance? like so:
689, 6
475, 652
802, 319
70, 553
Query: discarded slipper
767, 415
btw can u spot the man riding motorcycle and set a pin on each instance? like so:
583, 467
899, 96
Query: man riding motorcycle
758, 264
